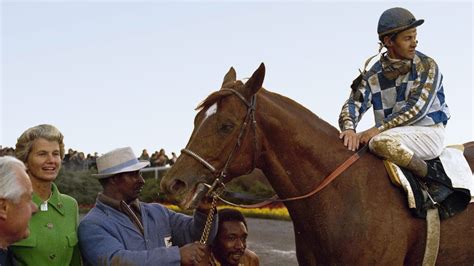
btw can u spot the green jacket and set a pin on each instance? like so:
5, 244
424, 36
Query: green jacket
53, 233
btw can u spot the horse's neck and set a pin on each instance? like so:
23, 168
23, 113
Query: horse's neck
299, 149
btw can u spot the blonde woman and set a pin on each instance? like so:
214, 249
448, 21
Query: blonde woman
53, 229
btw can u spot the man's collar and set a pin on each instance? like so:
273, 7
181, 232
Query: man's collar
393, 68
116, 203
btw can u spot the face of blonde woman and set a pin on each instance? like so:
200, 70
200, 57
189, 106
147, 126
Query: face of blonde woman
44, 160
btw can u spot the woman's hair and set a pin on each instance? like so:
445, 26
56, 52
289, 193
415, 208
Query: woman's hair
25, 141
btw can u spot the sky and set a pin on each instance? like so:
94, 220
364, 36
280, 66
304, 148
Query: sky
110, 74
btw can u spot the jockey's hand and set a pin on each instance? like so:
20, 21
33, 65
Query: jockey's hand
192, 254
351, 139
367, 135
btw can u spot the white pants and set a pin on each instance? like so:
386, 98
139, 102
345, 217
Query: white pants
399, 144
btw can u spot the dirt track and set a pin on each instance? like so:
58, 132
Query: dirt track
273, 241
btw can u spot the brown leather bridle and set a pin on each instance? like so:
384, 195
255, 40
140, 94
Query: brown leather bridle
249, 119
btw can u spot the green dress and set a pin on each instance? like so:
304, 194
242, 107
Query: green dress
53, 233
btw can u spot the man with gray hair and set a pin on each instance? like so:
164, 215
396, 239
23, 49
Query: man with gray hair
16, 206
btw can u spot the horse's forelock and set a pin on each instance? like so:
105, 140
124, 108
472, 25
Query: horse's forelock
217, 95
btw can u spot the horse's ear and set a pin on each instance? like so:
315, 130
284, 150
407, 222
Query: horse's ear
231, 76
255, 82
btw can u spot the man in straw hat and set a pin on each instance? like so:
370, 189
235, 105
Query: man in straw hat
121, 230
405, 89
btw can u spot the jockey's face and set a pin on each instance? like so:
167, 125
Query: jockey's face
403, 47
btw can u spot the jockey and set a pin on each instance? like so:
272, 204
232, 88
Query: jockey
405, 89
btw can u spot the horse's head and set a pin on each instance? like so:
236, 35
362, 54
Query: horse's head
223, 144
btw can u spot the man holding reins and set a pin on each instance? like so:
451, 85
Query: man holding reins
122, 230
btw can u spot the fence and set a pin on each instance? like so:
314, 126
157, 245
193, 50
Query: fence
160, 170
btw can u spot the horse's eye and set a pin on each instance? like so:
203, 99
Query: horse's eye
226, 127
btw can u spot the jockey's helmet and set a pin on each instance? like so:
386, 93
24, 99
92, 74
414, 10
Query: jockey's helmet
395, 20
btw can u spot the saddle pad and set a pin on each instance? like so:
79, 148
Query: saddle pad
399, 179
454, 164
457, 168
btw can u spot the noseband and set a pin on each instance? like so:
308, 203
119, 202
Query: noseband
249, 117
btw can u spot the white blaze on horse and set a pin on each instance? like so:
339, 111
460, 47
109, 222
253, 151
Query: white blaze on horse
358, 219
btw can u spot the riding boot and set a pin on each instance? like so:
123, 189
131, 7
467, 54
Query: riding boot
438, 183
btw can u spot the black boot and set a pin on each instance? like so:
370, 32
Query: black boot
438, 183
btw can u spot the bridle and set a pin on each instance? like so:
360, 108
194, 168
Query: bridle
217, 187
249, 118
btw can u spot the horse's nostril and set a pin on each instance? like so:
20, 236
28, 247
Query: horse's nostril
177, 186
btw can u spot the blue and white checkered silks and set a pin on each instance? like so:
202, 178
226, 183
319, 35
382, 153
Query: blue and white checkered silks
415, 98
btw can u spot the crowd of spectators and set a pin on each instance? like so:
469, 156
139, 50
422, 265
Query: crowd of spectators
7, 151
158, 158
77, 161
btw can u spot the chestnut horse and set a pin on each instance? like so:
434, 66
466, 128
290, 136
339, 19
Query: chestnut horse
358, 219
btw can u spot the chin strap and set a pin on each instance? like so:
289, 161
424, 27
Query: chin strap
356, 82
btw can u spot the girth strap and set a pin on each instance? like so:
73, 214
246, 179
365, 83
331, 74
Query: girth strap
432, 237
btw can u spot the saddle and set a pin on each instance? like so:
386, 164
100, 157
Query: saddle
446, 187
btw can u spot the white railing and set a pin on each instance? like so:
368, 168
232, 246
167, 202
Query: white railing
155, 170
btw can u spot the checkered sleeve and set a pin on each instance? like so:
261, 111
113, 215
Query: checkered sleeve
420, 98
358, 103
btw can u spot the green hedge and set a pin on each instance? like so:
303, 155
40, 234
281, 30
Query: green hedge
79, 185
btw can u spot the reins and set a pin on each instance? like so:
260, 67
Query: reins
326, 181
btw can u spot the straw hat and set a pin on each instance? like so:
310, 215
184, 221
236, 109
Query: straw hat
120, 160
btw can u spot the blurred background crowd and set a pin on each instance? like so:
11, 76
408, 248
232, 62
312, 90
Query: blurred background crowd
77, 161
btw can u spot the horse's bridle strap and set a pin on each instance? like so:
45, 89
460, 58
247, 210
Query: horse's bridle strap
199, 159
249, 119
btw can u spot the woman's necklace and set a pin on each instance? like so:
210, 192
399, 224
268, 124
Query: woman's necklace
44, 204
